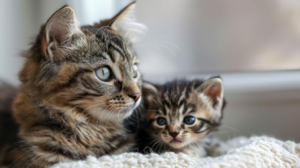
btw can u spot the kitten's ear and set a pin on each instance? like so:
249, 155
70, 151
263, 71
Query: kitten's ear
125, 23
150, 93
213, 89
58, 33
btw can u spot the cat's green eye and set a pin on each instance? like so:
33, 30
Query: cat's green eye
189, 120
161, 121
134, 71
103, 73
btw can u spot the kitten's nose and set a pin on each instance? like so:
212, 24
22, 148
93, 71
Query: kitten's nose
174, 133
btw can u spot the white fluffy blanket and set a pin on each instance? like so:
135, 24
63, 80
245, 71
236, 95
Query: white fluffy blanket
261, 152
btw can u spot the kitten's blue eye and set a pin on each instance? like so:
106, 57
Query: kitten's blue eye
103, 73
189, 120
134, 71
161, 121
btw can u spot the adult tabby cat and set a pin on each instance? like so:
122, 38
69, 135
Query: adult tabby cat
179, 115
78, 85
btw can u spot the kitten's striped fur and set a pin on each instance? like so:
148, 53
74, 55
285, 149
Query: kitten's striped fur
63, 110
174, 101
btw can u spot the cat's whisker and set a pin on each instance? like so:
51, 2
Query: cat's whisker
152, 110
172, 51
159, 145
119, 122
172, 44
92, 107
104, 113
227, 126
105, 27
101, 29
109, 116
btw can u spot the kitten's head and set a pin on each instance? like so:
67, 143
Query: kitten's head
181, 113
89, 69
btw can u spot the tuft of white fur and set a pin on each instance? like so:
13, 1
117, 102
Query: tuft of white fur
127, 25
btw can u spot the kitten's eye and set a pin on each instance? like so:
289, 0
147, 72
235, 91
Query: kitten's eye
189, 120
161, 121
134, 71
103, 73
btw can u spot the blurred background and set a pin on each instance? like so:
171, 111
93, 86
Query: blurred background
253, 44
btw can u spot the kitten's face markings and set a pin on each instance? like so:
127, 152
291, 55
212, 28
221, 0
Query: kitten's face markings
181, 114
180, 127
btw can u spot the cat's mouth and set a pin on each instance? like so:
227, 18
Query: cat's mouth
176, 144
175, 141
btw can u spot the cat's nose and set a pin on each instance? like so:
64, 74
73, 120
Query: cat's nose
133, 91
135, 96
174, 133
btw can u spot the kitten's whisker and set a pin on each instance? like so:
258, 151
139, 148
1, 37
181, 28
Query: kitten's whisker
227, 126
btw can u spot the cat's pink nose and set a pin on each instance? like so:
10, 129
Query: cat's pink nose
133, 91
135, 96
174, 133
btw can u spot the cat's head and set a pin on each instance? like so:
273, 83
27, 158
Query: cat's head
90, 69
181, 113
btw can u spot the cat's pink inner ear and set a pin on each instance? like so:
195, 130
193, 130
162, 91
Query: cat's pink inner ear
213, 88
59, 30
215, 91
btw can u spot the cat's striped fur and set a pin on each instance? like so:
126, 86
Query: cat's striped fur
63, 110
174, 102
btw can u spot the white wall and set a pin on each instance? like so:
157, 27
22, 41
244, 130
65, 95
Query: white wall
204, 36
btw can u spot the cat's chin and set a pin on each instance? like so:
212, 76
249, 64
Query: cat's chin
130, 110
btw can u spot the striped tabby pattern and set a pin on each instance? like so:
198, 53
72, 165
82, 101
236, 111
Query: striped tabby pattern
64, 110
179, 115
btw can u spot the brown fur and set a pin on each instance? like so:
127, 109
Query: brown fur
64, 110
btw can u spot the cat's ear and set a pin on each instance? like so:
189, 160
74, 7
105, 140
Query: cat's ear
125, 23
213, 90
60, 33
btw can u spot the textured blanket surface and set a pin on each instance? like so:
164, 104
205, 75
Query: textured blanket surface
261, 152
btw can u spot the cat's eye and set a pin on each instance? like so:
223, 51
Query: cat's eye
189, 120
161, 121
134, 71
103, 73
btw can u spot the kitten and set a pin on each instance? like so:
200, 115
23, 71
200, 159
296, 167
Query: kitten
179, 114
78, 86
